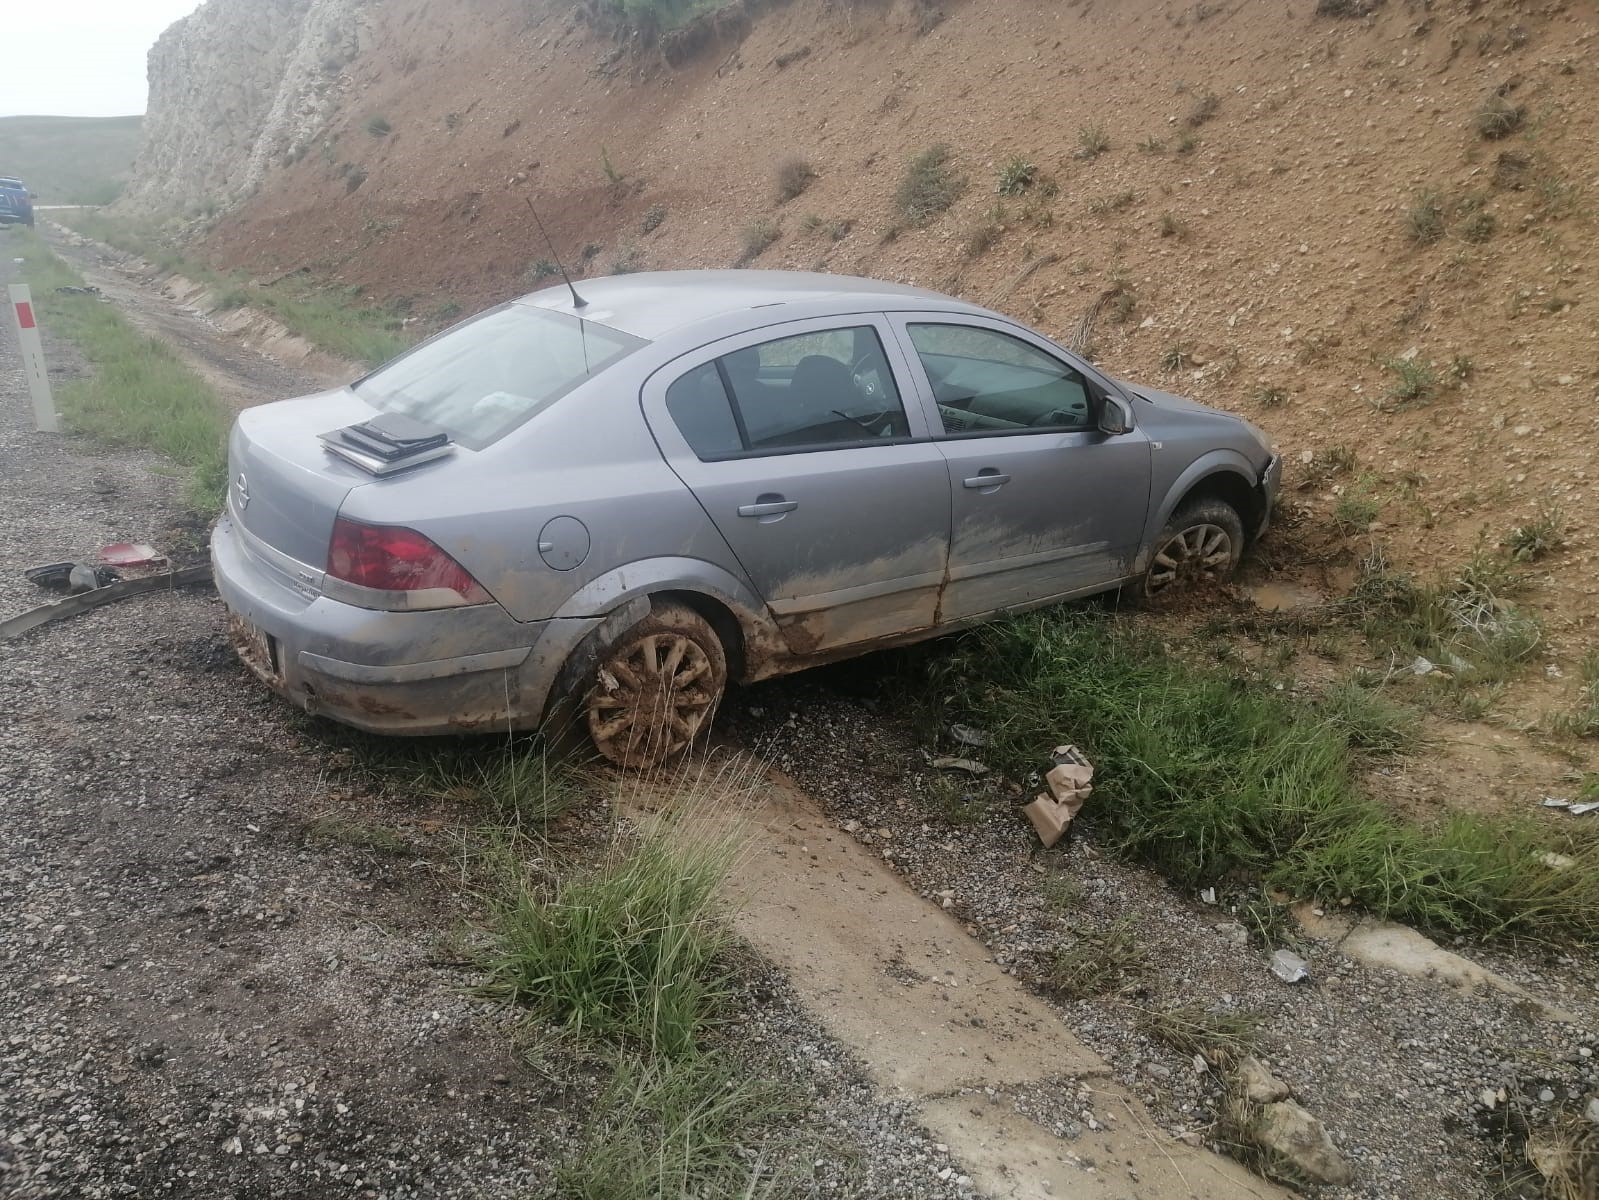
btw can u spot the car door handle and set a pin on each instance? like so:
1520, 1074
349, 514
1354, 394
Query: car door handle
768, 508
986, 479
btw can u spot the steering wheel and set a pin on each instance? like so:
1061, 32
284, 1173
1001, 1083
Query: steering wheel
867, 374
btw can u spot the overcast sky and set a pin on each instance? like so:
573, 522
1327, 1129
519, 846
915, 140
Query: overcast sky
79, 58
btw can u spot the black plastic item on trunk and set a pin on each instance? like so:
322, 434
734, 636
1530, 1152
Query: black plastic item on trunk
392, 436
388, 443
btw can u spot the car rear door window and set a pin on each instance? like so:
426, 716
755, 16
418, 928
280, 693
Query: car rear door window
808, 391
987, 382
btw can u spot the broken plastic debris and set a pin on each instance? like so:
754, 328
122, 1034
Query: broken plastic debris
1422, 666
1556, 862
1554, 802
960, 764
71, 577
1208, 895
1289, 967
965, 735
1582, 810
130, 554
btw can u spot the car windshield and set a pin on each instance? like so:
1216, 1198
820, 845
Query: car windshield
483, 378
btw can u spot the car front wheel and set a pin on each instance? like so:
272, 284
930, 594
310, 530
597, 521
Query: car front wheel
1200, 547
655, 689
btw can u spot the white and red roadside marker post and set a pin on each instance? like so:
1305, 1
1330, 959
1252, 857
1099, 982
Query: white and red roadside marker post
27, 327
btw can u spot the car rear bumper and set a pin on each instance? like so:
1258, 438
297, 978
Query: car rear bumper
455, 670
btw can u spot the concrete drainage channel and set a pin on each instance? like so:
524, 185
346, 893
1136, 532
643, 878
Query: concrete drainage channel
924, 1005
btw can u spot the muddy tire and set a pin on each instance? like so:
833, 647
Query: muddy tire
654, 690
1199, 548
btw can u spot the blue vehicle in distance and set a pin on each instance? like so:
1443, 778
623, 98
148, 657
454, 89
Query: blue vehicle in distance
16, 202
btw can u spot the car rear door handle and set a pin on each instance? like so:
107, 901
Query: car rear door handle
768, 507
986, 480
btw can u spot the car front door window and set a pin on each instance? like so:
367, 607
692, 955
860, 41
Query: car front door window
986, 382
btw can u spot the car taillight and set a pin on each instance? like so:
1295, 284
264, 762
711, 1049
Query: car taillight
391, 559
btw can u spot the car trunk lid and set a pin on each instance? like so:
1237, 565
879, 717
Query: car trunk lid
284, 488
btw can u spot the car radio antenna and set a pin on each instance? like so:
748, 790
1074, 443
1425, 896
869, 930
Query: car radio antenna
577, 301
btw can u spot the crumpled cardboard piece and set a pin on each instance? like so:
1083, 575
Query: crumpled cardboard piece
1069, 782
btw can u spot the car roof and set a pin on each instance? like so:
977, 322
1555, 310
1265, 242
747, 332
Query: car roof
7, 181
650, 304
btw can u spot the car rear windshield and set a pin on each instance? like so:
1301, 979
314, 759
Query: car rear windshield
483, 378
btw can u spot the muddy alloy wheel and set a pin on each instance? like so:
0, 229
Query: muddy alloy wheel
656, 689
1200, 547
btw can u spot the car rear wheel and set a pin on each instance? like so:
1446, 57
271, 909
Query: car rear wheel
656, 688
1200, 547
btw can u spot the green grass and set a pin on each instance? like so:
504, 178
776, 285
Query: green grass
377, 839
1415, 381
140, 392
1116, 202
1582, 720
955, 799
1092, 141
676, 1128
325, 316
70, 160
1016, 176
1271, 397
1464, 622
1424, 219
1498, 118
1096, 962
628, 952
1368, 720
930, 186
1357, 508
521, 785
1544, 534
1207, 777
1222, 1037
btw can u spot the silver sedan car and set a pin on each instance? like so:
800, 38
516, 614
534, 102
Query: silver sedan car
626, 498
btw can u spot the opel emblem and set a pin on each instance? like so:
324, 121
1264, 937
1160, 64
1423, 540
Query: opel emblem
242, 489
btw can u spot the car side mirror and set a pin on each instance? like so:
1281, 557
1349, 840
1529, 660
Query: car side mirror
1114, 417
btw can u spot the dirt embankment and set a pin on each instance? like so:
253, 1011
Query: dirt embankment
1258, 199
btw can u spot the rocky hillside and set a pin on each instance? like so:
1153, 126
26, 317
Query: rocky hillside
1368, 226
236, 89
